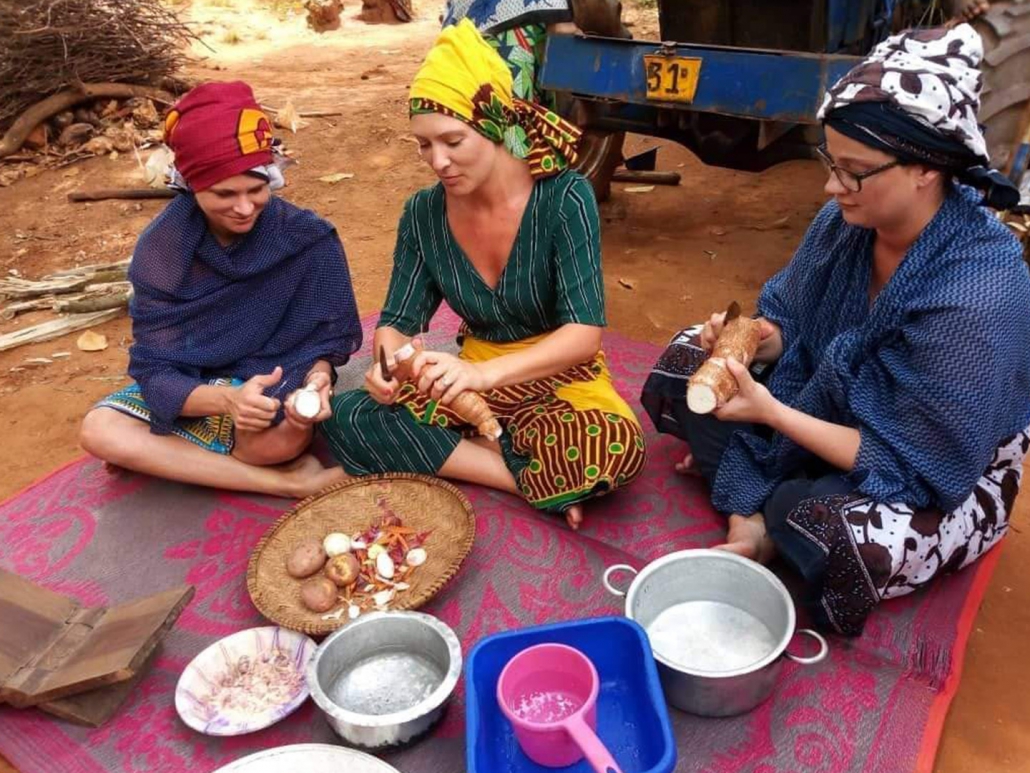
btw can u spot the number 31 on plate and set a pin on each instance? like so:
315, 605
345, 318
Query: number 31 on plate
672, 78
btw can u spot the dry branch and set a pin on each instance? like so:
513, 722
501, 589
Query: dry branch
106, 295
12, 310
54, 104
308, 114
96, 268
59, 284
109, 287
56, 328
92, 302
649, 177
103, 194
15, 287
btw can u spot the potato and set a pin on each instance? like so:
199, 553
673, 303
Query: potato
343, 569
306, 559
318, 594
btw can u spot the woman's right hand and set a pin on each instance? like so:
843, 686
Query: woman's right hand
250, 409
382, 391
770, 346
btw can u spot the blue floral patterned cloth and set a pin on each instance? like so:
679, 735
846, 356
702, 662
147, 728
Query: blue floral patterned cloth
497, 15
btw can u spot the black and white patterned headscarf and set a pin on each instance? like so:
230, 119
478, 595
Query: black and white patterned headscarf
916, 97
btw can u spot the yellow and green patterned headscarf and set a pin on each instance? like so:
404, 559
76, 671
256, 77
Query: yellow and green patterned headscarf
463, 77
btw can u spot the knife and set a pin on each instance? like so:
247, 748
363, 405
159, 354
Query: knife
732, 312
383, 367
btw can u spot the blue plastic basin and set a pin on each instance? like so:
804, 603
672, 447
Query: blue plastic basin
631, 716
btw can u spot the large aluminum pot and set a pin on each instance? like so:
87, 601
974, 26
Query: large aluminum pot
719, 627
384, 679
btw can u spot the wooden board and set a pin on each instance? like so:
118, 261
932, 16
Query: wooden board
95, 707
33, 618
54, 648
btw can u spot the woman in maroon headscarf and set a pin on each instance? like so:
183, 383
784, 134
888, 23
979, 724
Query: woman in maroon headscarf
240, 299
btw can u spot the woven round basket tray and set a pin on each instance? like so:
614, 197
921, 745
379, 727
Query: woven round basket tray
422, 502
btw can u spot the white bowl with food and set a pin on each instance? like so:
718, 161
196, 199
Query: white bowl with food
245, 682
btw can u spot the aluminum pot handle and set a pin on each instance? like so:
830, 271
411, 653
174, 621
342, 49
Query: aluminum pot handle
824, 649
606, 579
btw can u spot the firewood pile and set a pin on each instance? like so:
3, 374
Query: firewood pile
81, 78
82, 297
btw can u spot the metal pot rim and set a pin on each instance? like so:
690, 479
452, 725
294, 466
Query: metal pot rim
772, 579
435, 699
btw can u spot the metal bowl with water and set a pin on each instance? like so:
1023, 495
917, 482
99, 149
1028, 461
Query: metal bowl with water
719, 627
384, 679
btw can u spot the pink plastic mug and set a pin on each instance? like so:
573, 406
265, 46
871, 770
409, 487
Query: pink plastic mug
549, 693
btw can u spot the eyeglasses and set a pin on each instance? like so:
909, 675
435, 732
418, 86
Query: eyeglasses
852, 181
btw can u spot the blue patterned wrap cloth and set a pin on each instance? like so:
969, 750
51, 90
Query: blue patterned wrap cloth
934, 374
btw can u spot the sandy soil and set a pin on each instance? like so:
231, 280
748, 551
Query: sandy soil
671, 255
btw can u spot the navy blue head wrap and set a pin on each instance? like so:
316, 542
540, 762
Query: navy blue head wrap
884, 126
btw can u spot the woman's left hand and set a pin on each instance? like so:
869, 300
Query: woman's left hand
752, 403
444, 376
323, 386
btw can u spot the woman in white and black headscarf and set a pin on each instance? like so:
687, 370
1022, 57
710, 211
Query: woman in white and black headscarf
886, 446
916, 99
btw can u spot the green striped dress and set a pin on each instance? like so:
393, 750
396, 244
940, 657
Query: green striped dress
567, 437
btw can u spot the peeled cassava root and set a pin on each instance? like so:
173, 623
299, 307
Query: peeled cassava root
468, 405
712, 385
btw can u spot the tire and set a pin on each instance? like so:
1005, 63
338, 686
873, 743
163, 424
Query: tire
600, 153
1005, 30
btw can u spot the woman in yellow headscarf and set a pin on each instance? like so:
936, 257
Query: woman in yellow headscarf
509, 237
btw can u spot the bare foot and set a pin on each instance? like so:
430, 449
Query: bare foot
574, 517
305, 476
302, 462
748, 537
687, 466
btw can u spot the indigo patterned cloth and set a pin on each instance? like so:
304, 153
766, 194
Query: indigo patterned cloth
935, 373
280, 295
496, 15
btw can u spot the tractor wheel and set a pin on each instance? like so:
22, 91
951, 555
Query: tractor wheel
599, 152
1005, 30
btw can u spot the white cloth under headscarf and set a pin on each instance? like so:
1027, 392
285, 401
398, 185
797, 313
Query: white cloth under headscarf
272, 172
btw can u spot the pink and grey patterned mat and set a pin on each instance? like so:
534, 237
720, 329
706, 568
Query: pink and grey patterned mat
876, 704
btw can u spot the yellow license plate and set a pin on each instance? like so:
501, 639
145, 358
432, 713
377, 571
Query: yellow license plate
672, 78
